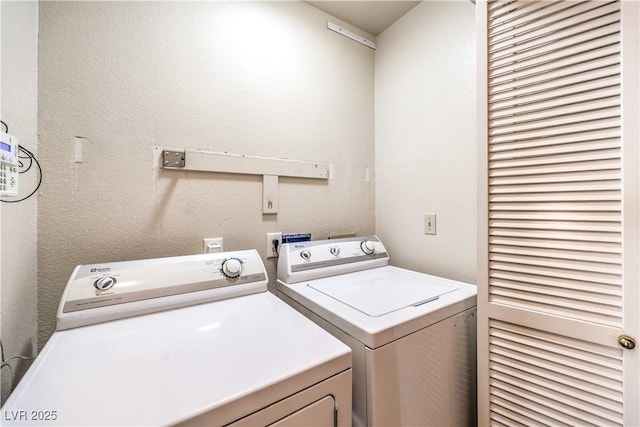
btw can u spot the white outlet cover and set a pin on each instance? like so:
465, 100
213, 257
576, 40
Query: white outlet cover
213, 244
430, 223
270, 237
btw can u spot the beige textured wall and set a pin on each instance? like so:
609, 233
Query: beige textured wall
263, 78
425, 139
18, 244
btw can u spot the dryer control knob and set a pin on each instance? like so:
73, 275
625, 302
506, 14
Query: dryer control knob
231, 268
104, 283
335, 251
306, 255
368, 247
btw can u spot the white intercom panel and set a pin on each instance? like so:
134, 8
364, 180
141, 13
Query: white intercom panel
9, 165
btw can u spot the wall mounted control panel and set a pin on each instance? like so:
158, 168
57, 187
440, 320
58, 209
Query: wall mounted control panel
9, 164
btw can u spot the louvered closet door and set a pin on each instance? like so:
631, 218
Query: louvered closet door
558, 279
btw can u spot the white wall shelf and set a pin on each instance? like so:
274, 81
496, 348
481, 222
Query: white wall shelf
269, 167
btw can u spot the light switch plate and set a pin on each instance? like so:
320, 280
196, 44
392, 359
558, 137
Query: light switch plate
430, 223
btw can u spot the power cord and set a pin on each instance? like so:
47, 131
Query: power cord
5, 362
276, 246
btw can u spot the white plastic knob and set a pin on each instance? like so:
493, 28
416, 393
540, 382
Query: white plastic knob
232, 267
105, 283
368, 247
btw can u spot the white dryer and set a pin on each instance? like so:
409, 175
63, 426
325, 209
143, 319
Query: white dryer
194, 340
412, 335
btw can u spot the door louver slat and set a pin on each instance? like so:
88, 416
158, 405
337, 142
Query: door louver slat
594, 206
541, 149
560, 167
556, 187
599, 249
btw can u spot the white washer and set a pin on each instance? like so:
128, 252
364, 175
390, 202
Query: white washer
194, 340
412, 334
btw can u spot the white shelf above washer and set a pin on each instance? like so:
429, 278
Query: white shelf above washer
269, 167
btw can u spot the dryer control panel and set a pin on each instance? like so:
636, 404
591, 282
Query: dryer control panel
323, 258
100, 292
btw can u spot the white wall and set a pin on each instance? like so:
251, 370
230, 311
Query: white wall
264, 78
425, 139
18, 245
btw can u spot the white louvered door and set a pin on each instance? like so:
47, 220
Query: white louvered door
559, 263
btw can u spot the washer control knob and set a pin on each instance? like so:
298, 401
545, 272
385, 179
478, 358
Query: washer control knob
104, 283
335, 251
231, 268
306, 255
368, 247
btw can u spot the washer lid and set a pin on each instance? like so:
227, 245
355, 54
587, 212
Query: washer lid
381, 295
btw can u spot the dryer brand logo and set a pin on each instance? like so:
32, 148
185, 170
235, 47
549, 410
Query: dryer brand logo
100, 270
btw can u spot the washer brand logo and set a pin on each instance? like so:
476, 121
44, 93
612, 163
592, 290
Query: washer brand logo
100, 270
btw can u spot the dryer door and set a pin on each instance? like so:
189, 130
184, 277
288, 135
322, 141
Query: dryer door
320, 413
326, 404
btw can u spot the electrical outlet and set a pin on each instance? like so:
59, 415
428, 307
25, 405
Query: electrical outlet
214, 244
430, 223
272, 249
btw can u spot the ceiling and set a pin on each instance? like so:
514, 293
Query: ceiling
370, 16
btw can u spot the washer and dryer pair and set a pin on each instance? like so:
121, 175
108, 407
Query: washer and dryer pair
194, 340
198, 340
412, 335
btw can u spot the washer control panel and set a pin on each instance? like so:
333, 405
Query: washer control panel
122, 289
322, 258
